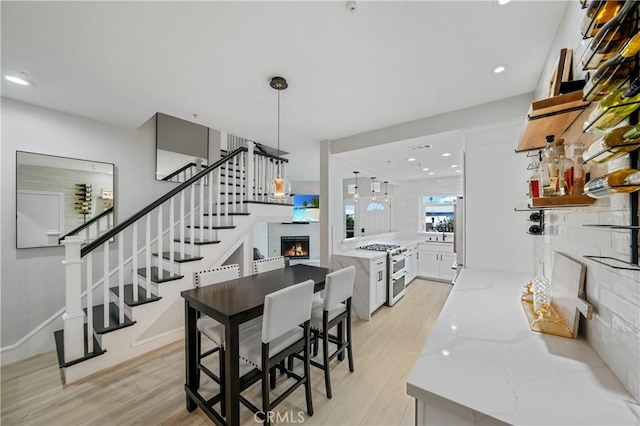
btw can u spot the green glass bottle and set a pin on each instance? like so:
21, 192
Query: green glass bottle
614, 108
613, 72
612, 36
614, 144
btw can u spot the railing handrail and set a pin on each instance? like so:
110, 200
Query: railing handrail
145, 210
133, 218
180, 170
77, 229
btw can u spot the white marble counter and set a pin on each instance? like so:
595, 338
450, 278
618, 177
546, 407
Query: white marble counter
362, 254
481, 355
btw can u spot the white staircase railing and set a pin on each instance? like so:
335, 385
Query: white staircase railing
170, 228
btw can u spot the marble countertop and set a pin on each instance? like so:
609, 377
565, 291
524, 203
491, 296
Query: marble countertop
364, 254
481, 354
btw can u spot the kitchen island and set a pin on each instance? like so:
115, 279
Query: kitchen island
483, 365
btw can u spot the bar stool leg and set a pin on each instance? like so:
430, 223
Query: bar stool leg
340, 326
325, 355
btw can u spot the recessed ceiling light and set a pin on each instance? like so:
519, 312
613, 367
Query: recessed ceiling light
411, 159
454, 166
446, 154
499, 69
458, 171
431, 173
425, 169
18, 80
503, 2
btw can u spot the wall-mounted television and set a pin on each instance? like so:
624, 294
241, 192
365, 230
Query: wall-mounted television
306, 208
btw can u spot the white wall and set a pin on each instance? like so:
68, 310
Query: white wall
614, 330
33, 279
495, 183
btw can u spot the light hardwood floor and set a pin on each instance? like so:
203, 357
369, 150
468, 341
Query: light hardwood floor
149, 390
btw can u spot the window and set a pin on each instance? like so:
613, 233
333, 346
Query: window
438, 213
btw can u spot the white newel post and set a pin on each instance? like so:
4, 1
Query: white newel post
248, 186
73, 316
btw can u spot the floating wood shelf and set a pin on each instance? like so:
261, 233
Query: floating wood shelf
550, 116
561, 201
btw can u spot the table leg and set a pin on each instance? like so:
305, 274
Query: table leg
232, 379
190, 355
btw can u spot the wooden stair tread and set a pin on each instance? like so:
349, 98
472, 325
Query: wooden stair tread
199, 242
212, 227
229, 214
164, 277
267, 202
98, 319
128, 295
178, 258
59, 340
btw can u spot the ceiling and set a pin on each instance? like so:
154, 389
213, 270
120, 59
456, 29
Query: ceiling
386, 63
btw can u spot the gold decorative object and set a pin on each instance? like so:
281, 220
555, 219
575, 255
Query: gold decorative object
547, 320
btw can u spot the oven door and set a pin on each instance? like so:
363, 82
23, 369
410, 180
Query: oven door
398, 263
396, 286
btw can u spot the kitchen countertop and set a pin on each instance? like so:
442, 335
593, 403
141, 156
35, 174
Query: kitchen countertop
482, 355
364, 254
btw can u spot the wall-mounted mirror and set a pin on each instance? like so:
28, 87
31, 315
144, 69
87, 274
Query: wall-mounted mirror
55, 195
182, 148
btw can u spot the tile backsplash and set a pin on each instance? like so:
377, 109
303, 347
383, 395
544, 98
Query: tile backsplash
614, 330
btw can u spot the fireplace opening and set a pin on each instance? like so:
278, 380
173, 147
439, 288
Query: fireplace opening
295, 247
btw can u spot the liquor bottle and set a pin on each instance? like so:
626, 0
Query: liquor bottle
534, 180
620, 181
614, 144
614, 108
565, 170
612, 36
548, 175
541, 292
597, 14
612, 73
578, 172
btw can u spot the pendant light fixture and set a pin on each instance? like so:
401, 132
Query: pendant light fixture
279, 188
386, 195
356, 196
373, 190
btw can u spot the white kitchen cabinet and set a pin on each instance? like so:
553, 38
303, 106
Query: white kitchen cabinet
411, 263
378, 281
435, 260
370, 287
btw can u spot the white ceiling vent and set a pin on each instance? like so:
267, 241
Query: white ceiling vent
419, 147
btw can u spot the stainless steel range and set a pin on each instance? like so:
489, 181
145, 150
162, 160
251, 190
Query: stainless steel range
396, 270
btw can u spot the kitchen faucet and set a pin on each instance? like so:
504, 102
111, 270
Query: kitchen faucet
443, 236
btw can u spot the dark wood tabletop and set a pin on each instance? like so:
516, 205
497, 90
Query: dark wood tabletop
244, 297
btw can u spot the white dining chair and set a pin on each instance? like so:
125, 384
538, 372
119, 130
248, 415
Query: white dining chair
334, 309
268, 264
211, 328
281, 336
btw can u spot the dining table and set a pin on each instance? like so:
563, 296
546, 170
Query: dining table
233, 303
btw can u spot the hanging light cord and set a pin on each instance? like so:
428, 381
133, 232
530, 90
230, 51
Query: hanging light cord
278, 134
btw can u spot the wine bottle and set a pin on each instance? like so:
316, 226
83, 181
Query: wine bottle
578, 172
565, 170
597, 14
612, 36
534, 180
548, 175
614, 144
620, 181
614, 108
612, 73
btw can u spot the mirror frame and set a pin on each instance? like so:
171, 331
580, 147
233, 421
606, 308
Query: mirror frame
68, 202
172, 134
